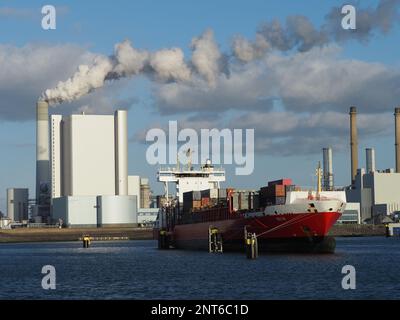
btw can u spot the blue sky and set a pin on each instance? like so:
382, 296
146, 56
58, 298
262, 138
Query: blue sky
96, 26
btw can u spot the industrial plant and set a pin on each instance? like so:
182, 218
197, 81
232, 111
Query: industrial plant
82, 177
373, 196
377, 191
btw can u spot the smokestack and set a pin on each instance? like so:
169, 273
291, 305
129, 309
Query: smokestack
370, 160
397, 137
42, 151
121, 152
353, 143
328, 171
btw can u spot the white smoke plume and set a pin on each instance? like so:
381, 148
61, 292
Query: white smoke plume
128, 60
163, 65
206, 57
246, 51
169, 65
82, 82
207, 63
300, 34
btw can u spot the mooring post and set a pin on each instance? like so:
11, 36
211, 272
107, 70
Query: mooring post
163, 240
251, 245
86, 241
215, 243
387, 230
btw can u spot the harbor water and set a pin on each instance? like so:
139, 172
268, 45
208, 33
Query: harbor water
138, 270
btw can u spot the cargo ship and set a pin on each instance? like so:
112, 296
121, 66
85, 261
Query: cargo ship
281, 216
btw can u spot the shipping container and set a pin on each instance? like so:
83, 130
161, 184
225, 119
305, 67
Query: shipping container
276, 190
222, 193
253, 201
196, 204
243, 201
214, 202
205, 202
256, 201
292, 188
280, 200
191, 195
284, 182
196, 195
262, 197
214, 193
205, 193
235, 201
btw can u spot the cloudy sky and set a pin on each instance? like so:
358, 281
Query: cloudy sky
285, 68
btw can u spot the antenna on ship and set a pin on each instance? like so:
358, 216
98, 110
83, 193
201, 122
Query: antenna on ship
189, 153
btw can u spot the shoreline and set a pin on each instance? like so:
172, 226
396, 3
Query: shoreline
22, 235
73, 234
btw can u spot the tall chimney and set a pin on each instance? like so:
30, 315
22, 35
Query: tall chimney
121, 152
328, 171
370, 160
353, 143
42, 151
397, 137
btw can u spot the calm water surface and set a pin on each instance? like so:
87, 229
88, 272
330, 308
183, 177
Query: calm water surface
137, 270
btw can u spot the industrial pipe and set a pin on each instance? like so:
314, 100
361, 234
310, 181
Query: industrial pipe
353, 143
397, 137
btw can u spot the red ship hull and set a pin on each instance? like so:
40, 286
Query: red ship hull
304, 232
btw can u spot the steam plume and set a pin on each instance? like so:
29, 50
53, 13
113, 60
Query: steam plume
208, 63
300, 34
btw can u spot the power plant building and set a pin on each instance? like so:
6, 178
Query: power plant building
134, 188
84, 156
17, 204
378, 192
89, 171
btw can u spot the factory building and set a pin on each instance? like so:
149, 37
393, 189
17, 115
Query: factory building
378, 192
351, 214
134, 188
86, 155
82, 170
147, 217
75, 211
145, 193
17, 204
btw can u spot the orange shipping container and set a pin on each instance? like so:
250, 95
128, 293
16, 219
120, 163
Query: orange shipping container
197, 204
205, 202
276, 190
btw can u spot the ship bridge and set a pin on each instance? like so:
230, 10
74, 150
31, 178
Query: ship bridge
206, 177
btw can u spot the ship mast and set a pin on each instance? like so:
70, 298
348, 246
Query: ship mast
189, 153
318, 173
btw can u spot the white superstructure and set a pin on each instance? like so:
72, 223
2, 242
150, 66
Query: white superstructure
207, 177
301, 202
